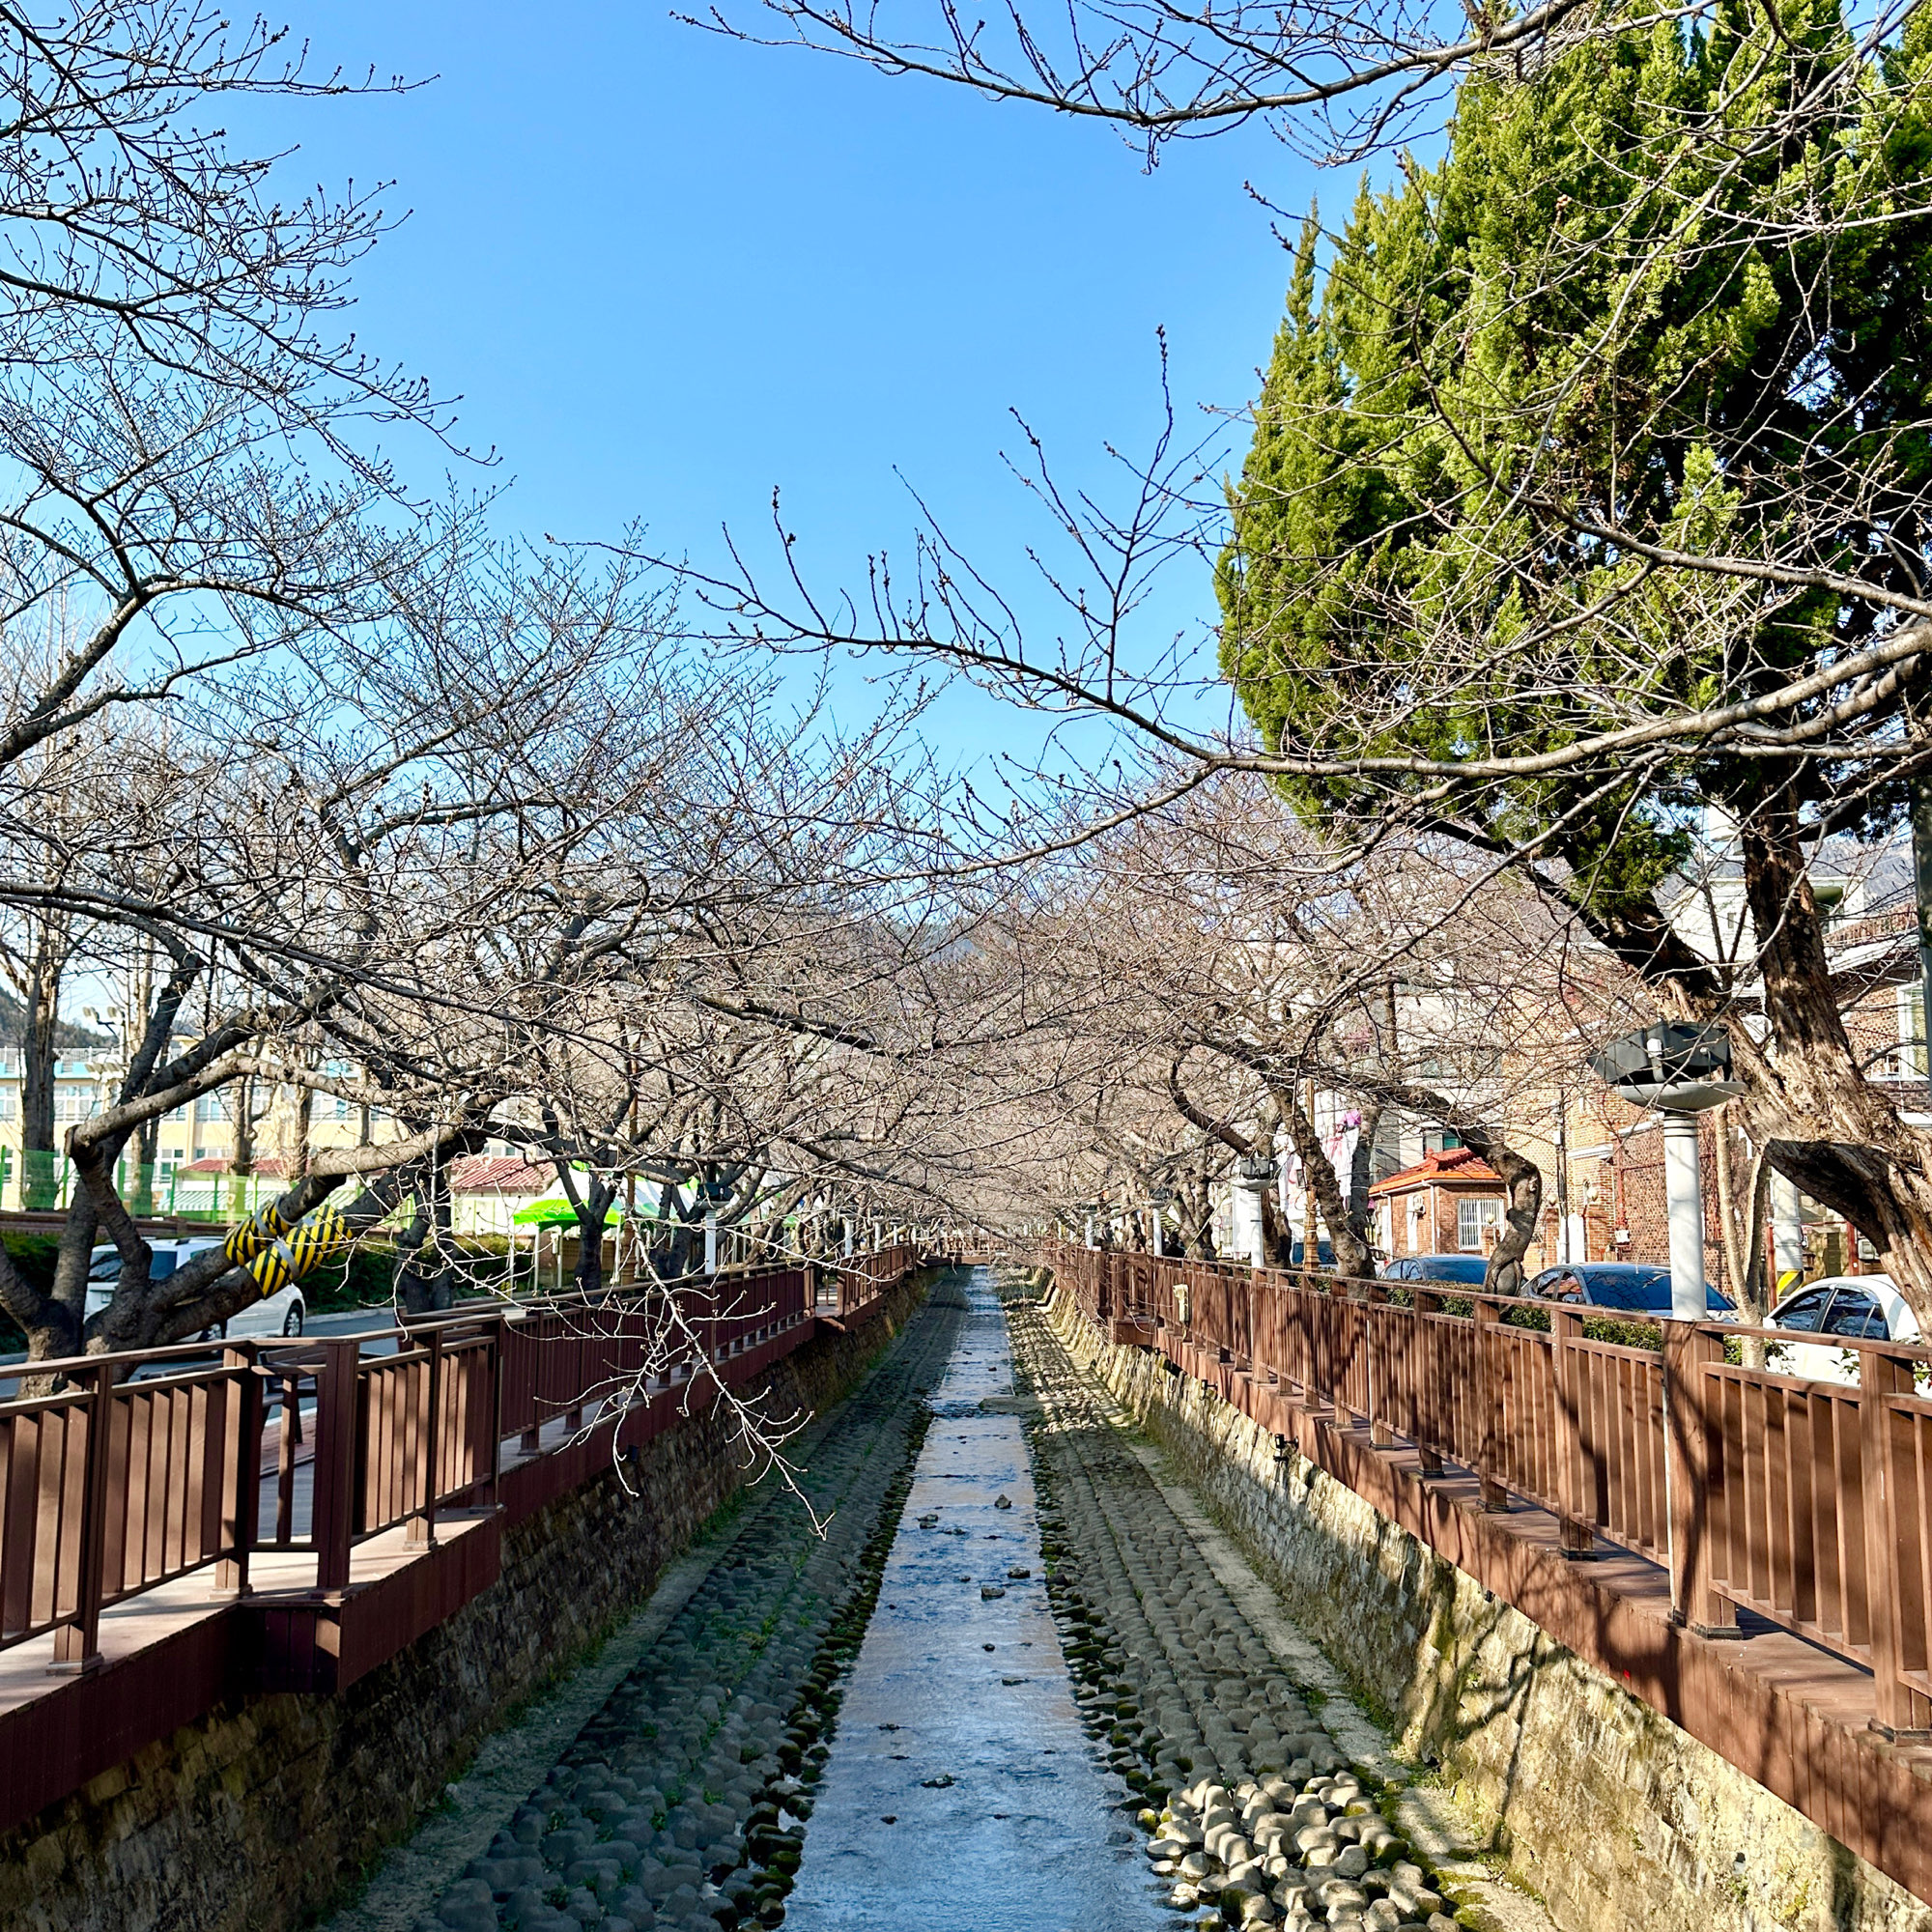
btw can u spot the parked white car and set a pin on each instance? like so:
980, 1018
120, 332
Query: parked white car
280, 1313
1856, 1307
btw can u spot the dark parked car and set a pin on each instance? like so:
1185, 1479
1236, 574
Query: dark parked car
1620, 1288
1325, 1254
1469, 1269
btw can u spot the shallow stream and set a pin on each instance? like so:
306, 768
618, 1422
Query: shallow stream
961, 1789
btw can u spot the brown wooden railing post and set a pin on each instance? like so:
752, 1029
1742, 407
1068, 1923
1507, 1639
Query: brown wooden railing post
429, 1437
333, 1510
1426, 1368
1576, 1513
1380, 1429
1693, 1467
242, 1501
1898, 1632
1489, 1407
77, 1642
500, 1351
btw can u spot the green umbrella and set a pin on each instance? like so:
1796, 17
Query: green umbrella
557, 1212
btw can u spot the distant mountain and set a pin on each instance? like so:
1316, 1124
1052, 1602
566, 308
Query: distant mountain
13, 1020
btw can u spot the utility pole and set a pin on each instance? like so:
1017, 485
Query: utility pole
1563, 1255
1921, 876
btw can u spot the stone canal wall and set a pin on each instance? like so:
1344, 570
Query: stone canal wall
1601, 1807
261, 1814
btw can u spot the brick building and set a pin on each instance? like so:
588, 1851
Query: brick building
1448, 1203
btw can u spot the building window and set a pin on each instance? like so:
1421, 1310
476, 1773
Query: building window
9, 1104
70, 1103
211, 1107
1912, 1031
1477, 1224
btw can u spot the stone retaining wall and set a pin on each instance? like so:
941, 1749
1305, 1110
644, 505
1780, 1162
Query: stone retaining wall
1601, 1807
260, 1814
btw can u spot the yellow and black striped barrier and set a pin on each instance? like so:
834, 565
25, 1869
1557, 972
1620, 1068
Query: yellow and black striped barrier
265, 1226
313, 1239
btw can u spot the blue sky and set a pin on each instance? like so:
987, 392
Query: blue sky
667, 273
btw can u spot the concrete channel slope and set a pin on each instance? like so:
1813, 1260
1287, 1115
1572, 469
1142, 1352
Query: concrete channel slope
1018, 1681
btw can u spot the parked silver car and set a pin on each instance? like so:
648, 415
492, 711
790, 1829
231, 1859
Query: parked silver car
280, 1313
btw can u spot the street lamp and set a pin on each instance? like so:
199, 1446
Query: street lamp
1678, 1072
1158, 1200
1252, 1174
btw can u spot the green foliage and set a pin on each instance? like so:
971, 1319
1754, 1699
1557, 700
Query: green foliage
1614, 305
365, 1276
33, 1256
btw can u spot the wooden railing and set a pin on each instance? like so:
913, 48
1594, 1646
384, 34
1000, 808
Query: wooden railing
112, 1485
1806, 1502
857, 1281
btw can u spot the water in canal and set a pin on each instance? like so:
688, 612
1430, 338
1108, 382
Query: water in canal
962, 1790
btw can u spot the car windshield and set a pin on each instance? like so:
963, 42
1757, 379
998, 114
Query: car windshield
1450, 1267
1635, 1290
1802, 1311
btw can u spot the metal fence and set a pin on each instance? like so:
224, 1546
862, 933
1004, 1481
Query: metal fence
1806, 1502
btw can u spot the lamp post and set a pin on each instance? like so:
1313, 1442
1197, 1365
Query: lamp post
1252, 1174
1678, 1072
1157, 1204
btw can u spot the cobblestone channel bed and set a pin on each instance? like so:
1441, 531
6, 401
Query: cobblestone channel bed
1256, 1814
674, 1786
680, 1802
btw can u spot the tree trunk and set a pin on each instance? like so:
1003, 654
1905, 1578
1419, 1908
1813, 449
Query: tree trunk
1352, 1257
1361, 1177
590, 1213
1807, 1102
241, 1159
1523, 1208
422, 1270
40, 1027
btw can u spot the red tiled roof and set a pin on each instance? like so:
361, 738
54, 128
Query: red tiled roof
500, 1173
269, 1167
1450, 1164
473, 1174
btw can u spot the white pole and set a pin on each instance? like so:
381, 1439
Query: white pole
1249, 1196
1090, 1230
848, 1254
711, 1240
1683, 1186
1787, 1224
